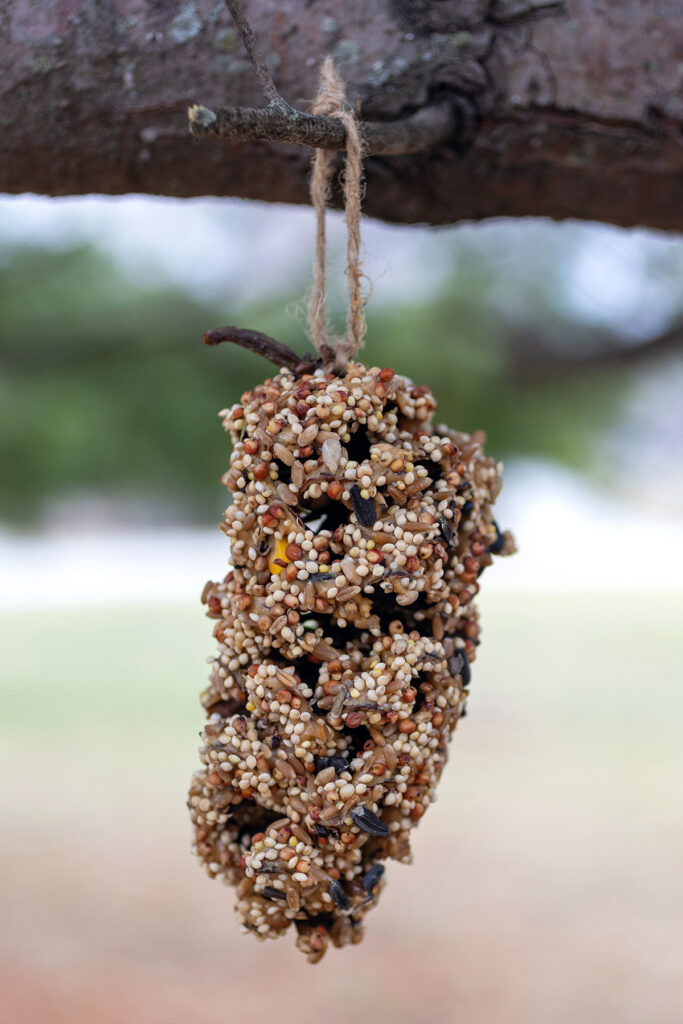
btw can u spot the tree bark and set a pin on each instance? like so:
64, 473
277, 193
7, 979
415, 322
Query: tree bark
560, 110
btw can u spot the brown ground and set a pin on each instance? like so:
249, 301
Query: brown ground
546, 885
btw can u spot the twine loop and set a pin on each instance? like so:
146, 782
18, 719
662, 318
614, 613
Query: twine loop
331, 101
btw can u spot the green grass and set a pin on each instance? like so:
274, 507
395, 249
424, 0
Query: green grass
108, 677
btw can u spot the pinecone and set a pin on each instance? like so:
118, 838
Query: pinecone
346, 632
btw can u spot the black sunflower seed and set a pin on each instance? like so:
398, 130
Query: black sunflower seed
365, 510
340, 764
372, 877
467, 508
459, 665
368, 822
498, 544
446, 531
268, 868
339, 895
274, 894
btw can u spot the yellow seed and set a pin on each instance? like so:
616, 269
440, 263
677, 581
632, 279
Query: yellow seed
280, 548
250, 706
293, 841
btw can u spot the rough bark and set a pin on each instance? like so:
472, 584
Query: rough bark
564, 110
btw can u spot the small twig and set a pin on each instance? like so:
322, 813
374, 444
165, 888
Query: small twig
429, 127
278, 122
267, 84
256, 342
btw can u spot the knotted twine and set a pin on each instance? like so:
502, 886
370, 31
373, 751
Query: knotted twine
331, 100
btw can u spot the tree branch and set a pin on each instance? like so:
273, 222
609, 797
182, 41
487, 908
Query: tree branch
258, 343
278, 122
532, 361
429, 127
535, 127
267, 84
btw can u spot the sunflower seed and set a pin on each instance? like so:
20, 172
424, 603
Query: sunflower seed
318, 577
499, 543
446, 531
368, 822
459, 665
372, 877
339, 895
274, 894
365, 510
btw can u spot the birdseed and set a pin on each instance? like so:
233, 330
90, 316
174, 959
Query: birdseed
345, 629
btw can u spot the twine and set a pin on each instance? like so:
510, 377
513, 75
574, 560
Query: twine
331, 101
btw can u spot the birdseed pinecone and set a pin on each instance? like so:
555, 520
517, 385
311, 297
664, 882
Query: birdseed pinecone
346, 629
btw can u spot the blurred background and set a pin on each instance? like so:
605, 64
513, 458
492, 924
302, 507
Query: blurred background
546, 885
